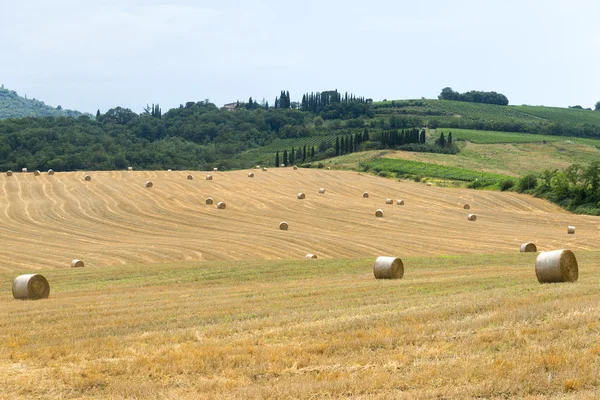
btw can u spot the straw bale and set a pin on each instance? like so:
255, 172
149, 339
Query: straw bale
571, 230
50, 172
295, 168
209, 200
283, 226
322, 191
209, 177
311, 256
379, 213
23, 169
36, 172
250, 175
282, 165
30, 287
472, 217
366, 195
389, 201
556, 266
467, 207
400, 202
169, 170
129, 168
528, 248
87, 178
190, 177
221, 205
328, 168
215, 169
301, 196
149, 184
388, 268
257, 167
77, 263
264, 169
428, 183
9, 173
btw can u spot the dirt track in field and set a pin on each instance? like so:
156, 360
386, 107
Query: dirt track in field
46, 221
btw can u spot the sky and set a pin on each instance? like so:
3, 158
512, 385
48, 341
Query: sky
87, 55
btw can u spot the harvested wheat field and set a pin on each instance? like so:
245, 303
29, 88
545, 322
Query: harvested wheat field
179, 300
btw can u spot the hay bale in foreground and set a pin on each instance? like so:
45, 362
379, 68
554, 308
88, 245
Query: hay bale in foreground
388, 268
322, 191
36, 172
389, 201
556, 266
467, 207
87, 178
571, 230
209, 200
250, 175
30, 287
221, 205
472, 217
301, 196
9, 173
149, 184
311, 256
209, 177
77, 263
528, 248
400, 202
366, 195
379, 213
283, 226
190, 177
50, 172
23, 169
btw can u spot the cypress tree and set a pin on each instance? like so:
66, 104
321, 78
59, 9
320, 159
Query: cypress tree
442, 140
337, 146
312, 152
422, 139
285, 158
304, 154
342, 147
277, 159
292, 157
450, 139
98, 113
365, 135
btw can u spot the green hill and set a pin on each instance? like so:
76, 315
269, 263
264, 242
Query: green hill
14, 106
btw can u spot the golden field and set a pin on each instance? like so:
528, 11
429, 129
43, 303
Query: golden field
181, 300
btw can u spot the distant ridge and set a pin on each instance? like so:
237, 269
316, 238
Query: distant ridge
14, 106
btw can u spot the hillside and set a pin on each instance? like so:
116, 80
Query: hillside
14, 106
45, 221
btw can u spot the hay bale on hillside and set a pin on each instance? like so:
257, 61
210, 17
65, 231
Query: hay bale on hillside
282, 165
388, 268
77, 263
528, 248
36, 172
366, 195
209, 200
400, 202
295, 168
283, 226
472, 217
264, 169
8, 173
221, 205
23, 169
169, 170
215, 169
428, 183
209, 177
467, 207
301, 196
379, 213
50, 172
311, 256
328, 168
322, 191
389, 201
149, 184
250, 175
87, 178
257, 167
190, 177
30, 287
556, 266
571, 230
129, 168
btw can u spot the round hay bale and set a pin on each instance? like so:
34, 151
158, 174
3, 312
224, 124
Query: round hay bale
50, 172
295, 168
30, 287
428, 183
467, 207
283, 226
257, 167
571, 230
190, 177
400, 202
23, 169
301, 196
169, 170
209, 200
221, 205
215, 169
282, 165
8, 173
388, 268
556, 266
379, 213
87, 178
311, 256
528, 248
250, 175
36, 172
129, 168
322, 191
366, 195
389, 201
209, 177
264, 169
77, 263
472, 217
149, 184
328, 168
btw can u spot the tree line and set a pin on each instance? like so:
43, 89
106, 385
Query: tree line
474, 97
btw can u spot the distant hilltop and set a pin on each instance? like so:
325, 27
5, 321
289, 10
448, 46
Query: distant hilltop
14, 106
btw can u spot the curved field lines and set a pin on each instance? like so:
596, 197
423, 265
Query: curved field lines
46, 221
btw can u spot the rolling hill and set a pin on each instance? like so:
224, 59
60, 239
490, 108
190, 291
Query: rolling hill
14, 106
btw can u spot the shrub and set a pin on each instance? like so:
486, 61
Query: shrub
506, 184
528, 182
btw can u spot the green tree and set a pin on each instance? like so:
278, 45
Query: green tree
422, 137
304, 154
277, 159
449, 139
442, 140
285, 157
292, 157
312, 152
597, 107
337, 146
98, 114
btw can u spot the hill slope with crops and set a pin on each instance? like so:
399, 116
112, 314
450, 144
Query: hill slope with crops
47, 220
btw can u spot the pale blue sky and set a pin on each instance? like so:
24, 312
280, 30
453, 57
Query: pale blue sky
97, 55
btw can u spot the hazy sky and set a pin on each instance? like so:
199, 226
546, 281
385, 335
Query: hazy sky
97, 55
